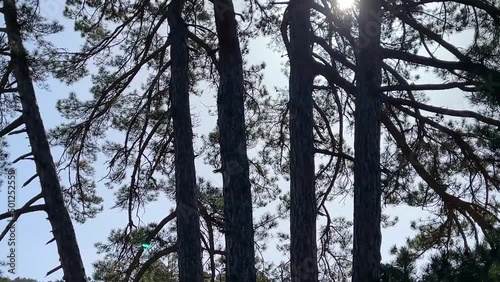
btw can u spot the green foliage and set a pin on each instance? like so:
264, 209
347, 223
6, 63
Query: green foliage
17, 279
159, 272
458, 264
402, 269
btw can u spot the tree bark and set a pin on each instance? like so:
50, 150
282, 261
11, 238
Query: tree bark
188, 223
238, 219
58, 216
367, 185
303, 249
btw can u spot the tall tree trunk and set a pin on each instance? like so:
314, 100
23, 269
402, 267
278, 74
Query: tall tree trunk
238, 219
303, 249
58, 216
367, 185
188, 223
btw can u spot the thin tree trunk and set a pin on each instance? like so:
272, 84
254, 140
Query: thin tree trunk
58, 215
303, 249
367, 185
188, 223
238, 219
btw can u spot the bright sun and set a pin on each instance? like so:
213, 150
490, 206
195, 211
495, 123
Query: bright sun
345, 4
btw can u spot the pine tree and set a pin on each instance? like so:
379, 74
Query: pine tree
188, 226
58, 216
367, 182
238, 209
303, 250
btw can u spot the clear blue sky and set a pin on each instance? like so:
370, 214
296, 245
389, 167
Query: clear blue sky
33, 230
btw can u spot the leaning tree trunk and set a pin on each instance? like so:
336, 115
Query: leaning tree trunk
303, 249
188, 223
58, 215
367, 185
238, 219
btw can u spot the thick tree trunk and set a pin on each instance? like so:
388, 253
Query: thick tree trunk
367, 185
58, 215
238, 219
188, 223
303, 250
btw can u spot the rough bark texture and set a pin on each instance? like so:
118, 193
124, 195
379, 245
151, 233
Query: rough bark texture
303, 249
238, 219
367, 186
58, 216
188, 223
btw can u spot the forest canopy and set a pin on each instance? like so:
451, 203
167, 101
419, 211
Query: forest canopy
387, 105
